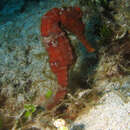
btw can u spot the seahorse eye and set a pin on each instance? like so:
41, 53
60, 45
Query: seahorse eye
54, 43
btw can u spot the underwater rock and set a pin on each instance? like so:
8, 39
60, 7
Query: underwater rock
24, 67
121, 16
26, 77
109, 113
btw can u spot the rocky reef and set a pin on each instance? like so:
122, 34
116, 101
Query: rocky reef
98, 91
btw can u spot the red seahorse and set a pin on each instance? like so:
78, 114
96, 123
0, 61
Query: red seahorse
57, 43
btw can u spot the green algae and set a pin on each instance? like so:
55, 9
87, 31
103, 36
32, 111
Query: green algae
48, 94
29, 110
